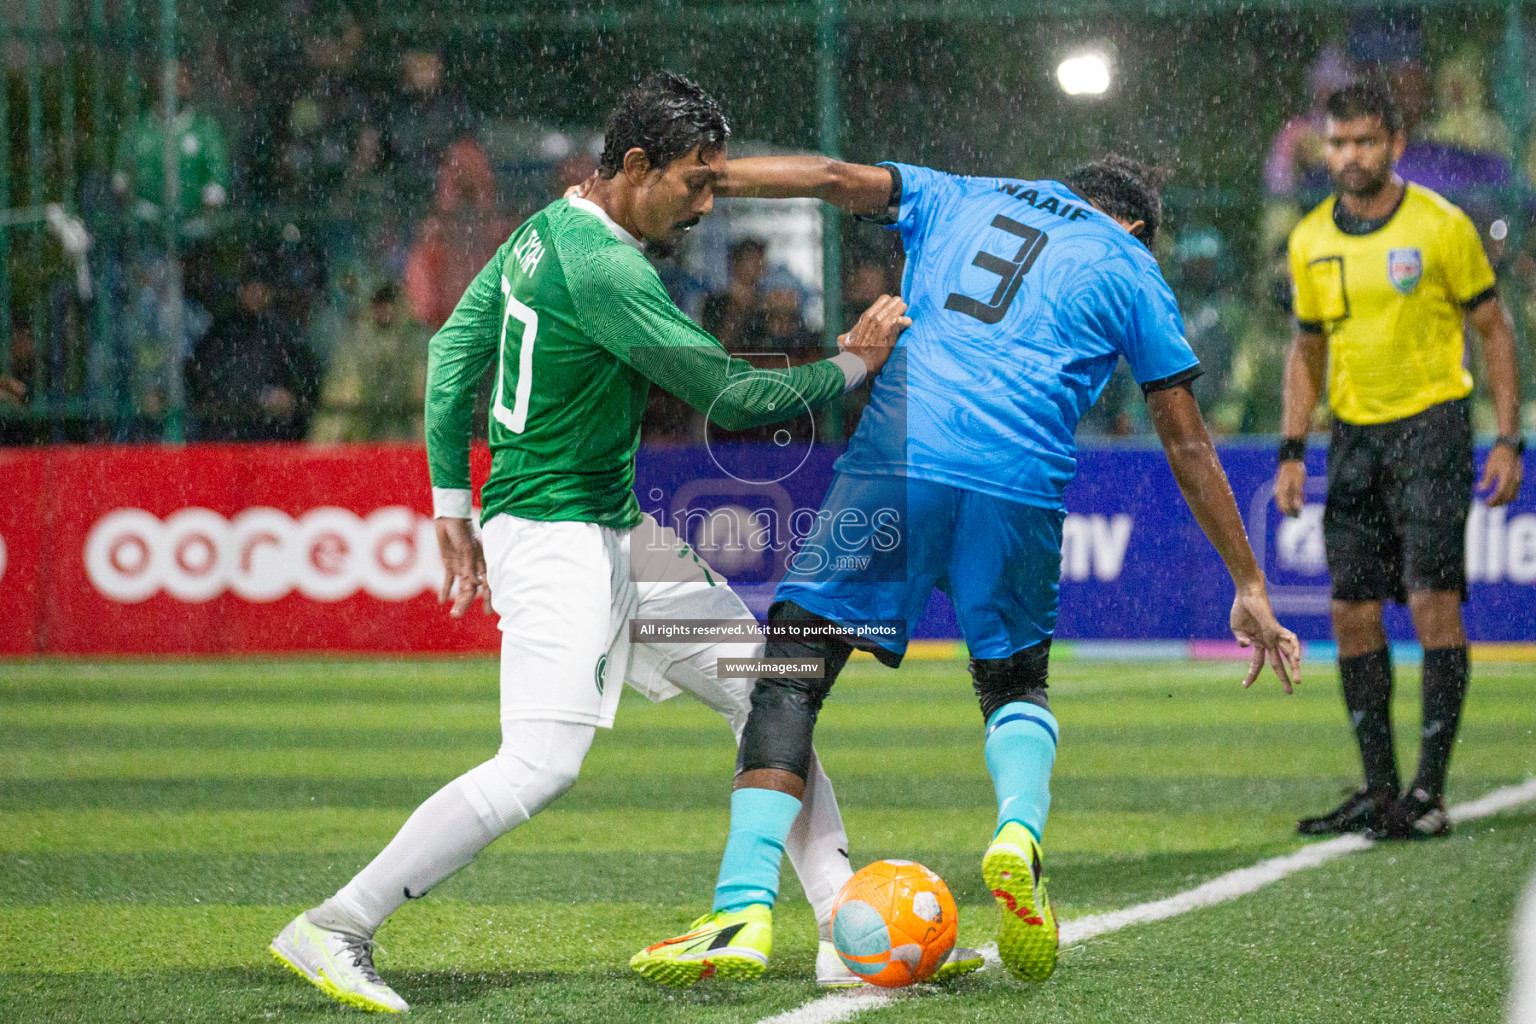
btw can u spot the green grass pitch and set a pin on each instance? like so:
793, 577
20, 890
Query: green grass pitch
160, 822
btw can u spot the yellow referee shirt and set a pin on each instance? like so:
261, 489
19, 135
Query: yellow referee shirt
1390, 302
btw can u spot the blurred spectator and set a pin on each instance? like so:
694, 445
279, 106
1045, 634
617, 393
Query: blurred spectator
376, 383
1294, 175
1111, 415
1464, 120
203, 170
298, 275
420, 123
778, 336
251, 377
783, 323
1213, 319
458, 238
735, 314
12, 391
1297, 152
862, 285
328, 133
1411, 87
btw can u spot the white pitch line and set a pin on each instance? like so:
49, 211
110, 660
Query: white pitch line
1522, 997
840, 1006
832, 1008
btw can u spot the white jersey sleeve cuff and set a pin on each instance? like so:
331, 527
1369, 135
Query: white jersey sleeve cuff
854, 370
451, 502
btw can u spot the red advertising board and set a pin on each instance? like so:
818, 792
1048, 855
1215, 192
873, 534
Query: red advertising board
23, 484
223, 549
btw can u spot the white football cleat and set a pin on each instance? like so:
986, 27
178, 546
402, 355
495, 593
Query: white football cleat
831, 972
338, 964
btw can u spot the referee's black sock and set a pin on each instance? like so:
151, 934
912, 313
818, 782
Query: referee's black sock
1367, 682
1446, 670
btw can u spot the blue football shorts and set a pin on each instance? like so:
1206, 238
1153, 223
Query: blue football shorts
882, 543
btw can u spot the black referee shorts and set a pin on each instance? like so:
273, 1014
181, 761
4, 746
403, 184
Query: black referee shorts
1398, 498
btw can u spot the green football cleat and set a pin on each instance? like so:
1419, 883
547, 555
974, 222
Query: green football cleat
960, 961
728, 944
1027, 936
338, 964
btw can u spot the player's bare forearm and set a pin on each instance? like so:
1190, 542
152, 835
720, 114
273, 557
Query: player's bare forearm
1176, 417
1500, 354
857, 188
1502, 471
1305, 367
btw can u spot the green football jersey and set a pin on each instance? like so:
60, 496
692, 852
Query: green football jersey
580, 326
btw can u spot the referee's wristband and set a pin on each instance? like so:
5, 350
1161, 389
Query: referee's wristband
1513, 441
1293, 449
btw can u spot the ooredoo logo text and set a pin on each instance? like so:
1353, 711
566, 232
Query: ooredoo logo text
263, 554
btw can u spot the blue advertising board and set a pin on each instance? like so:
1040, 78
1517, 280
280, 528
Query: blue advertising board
1135, 565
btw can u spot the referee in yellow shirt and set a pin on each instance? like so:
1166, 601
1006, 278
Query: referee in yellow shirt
1385, 273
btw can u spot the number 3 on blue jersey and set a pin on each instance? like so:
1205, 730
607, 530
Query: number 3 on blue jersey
516, 418
1011, 272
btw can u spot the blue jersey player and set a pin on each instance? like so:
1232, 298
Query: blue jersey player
1024, 295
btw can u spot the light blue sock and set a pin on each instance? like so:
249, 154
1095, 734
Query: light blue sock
749, 871
1020, 750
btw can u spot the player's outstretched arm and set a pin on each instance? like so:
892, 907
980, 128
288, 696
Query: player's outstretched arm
1176, 416
622, 306
1502, 472
857, 188
1304, 368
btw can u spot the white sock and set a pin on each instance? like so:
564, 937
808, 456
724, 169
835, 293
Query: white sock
538, 761
818, 846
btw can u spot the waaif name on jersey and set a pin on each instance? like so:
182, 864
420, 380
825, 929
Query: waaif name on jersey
529, 252
1047, 205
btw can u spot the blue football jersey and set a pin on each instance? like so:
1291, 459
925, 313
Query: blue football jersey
1023, 298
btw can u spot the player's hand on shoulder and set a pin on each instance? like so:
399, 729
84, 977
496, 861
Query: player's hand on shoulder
464, 565
1502, 475
874, 336
1254, 625
1290, 482
581, 188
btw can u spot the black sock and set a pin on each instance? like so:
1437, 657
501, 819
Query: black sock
1367, 682
1445, 689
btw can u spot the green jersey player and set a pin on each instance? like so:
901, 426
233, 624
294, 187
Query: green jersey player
579, 326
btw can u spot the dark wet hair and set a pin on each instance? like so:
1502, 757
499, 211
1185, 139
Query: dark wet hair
1124, 189
746, 245
1368, 98
666, 115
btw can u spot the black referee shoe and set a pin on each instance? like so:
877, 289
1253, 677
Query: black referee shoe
1364, 811
1417, 815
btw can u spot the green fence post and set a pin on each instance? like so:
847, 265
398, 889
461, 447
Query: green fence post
125, 332
35, 197
829, 101
5, 201
67, 140
170, 322
101, 320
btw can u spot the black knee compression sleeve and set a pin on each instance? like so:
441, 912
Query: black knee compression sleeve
1019, 677
783, 716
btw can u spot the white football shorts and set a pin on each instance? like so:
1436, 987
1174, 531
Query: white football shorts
565, 592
